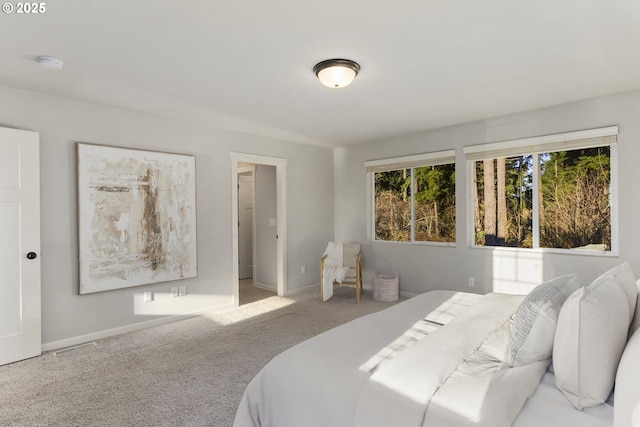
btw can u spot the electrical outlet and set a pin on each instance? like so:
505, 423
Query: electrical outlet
304, 269
472, 282
182, 291
174, 291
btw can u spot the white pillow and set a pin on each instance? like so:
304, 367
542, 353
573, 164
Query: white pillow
350, 253
591, 335
635, 323
534, 324
625, 277
626, 411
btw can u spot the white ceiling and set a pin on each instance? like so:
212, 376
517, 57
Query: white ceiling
247, 64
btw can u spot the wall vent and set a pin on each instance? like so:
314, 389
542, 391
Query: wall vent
75, 347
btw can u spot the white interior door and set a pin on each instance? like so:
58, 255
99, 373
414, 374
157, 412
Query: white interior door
20, 327
245, 224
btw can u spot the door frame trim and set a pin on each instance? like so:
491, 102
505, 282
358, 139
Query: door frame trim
281, 218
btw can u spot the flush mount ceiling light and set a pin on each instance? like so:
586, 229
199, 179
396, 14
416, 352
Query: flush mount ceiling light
50, 62
336, 73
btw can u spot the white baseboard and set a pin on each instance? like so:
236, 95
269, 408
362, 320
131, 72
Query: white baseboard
302, 289
81, 339
265, 287
365, 286
408, 294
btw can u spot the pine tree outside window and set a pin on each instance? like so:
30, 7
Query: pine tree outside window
557, 192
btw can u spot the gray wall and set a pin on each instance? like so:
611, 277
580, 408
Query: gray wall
423, 268
62, 122
319, 181
266, 244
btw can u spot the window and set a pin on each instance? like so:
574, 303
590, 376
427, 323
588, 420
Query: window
414, 198
556, 192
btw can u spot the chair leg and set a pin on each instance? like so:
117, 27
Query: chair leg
358, 277
322, 279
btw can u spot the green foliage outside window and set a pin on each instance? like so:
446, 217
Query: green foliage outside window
431, 191
574, 209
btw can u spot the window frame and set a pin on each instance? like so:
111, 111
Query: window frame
535, 146
398, 163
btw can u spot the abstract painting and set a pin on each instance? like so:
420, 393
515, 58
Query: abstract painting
136, 217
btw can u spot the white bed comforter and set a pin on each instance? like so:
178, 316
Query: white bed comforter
434, 360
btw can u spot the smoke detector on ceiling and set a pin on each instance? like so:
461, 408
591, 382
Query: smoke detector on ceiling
50, 62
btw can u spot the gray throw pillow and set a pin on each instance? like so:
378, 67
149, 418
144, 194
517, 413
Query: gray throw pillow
534, 325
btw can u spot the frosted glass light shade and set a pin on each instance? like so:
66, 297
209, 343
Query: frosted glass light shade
336, 77
336, 73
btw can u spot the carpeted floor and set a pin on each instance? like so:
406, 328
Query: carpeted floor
250, 293
188, 373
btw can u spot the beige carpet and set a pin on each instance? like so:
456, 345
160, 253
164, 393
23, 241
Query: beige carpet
188, 373
250, 293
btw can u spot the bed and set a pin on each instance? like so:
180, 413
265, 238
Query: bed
448, 358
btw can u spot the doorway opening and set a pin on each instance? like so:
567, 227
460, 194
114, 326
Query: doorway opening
258, 227
256, 232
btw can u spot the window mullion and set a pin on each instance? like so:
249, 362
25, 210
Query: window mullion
413, 205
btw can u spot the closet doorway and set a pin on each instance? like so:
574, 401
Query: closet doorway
256, 232
259, 227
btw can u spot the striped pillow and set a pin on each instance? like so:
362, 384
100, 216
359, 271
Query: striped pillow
534, 325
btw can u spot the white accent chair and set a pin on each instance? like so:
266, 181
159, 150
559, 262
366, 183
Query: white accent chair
352, 258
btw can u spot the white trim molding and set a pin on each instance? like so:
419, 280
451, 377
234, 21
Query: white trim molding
281, 215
